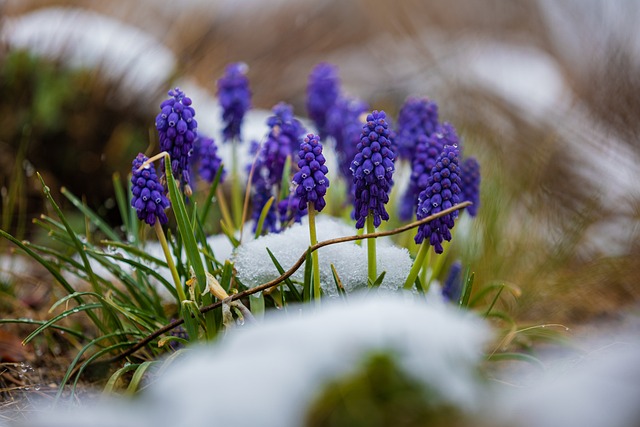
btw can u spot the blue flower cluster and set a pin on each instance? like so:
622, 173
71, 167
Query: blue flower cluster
417, 117
344, 124
235, 98
285, 133
311, 178
149, 198
323, 89
285, 127
471, 184
427, 149
452, 288
372, 169
177, 130
206, 152
442, 192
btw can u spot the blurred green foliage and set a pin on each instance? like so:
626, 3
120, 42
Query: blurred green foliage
68, 125
380, 394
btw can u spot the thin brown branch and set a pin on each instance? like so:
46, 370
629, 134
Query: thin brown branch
146, 340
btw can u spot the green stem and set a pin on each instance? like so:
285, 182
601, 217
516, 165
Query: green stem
314, 256
424, 280
417, 265
172, 266
371, 251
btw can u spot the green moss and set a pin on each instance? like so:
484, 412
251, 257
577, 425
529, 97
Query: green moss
380, 394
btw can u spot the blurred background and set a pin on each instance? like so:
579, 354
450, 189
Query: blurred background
545, 94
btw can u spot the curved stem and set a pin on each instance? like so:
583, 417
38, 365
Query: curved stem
146, 340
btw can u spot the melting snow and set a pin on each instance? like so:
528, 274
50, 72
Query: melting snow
350, 260
268, 374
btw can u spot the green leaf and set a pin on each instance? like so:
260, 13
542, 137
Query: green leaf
292, 288
137, 376
79, 246
113, 379
92, 343
42, 322
466, 291
338, 282
263, 216
378, 281
229, 233
185, 228
64, 314
91, 215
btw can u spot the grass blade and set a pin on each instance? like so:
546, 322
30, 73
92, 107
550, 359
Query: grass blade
91, 215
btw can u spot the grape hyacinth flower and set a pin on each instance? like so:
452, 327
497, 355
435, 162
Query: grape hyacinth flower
442, 192
206, 151
323, 89
311, 178
452, 288
149, 198
285, 131
312, 187
372, 169
417, 117
471, 184
177, 130
344, 124
235, 99
427, 150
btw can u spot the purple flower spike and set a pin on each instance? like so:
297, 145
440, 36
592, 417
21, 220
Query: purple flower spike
311, 178
177, 130
471, 184
235, 99
345, 126
373, 169
452, 288
149, 198
285, 133
322, 93
427, 150
207, 153
418, 116
442, 192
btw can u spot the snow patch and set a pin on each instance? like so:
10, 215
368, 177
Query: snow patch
350, 259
